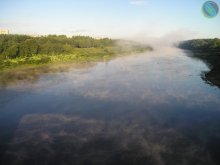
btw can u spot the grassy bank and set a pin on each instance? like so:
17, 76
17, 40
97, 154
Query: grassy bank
30, 68
19, 50
79, 56
24, 58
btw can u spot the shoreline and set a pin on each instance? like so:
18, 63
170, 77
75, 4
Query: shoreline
38, 60
207, 50
213, 62
19, 50
32, 72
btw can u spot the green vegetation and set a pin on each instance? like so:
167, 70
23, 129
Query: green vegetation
17, 50
201, 45
207, 50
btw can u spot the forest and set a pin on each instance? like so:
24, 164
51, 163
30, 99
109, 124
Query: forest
17, 50
201, 45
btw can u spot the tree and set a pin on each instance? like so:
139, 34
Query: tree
29, 48
12, 46
12, 52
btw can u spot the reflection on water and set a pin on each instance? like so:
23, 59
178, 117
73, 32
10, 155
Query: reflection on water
150, 108
32, 74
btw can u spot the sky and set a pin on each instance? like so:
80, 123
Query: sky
109, 18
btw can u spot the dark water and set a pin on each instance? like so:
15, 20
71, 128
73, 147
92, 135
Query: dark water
150, 109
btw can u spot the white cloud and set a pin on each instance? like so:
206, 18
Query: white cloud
138, 2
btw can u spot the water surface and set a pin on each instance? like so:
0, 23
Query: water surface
150, 108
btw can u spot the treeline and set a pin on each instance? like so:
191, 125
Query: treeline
201, 45
13, 46
18, 50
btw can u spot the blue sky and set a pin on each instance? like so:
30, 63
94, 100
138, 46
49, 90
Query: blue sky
109, 18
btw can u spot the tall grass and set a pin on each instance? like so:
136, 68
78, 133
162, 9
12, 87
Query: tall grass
79, 55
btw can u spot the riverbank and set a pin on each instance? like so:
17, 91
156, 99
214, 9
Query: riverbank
80, 55
30, 69
207, 50
25, 58
20, 50
213, 61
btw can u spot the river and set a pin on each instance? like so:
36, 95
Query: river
150, 108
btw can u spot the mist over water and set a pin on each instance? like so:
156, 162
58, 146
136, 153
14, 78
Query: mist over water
152, 108
149, 108
165, 41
